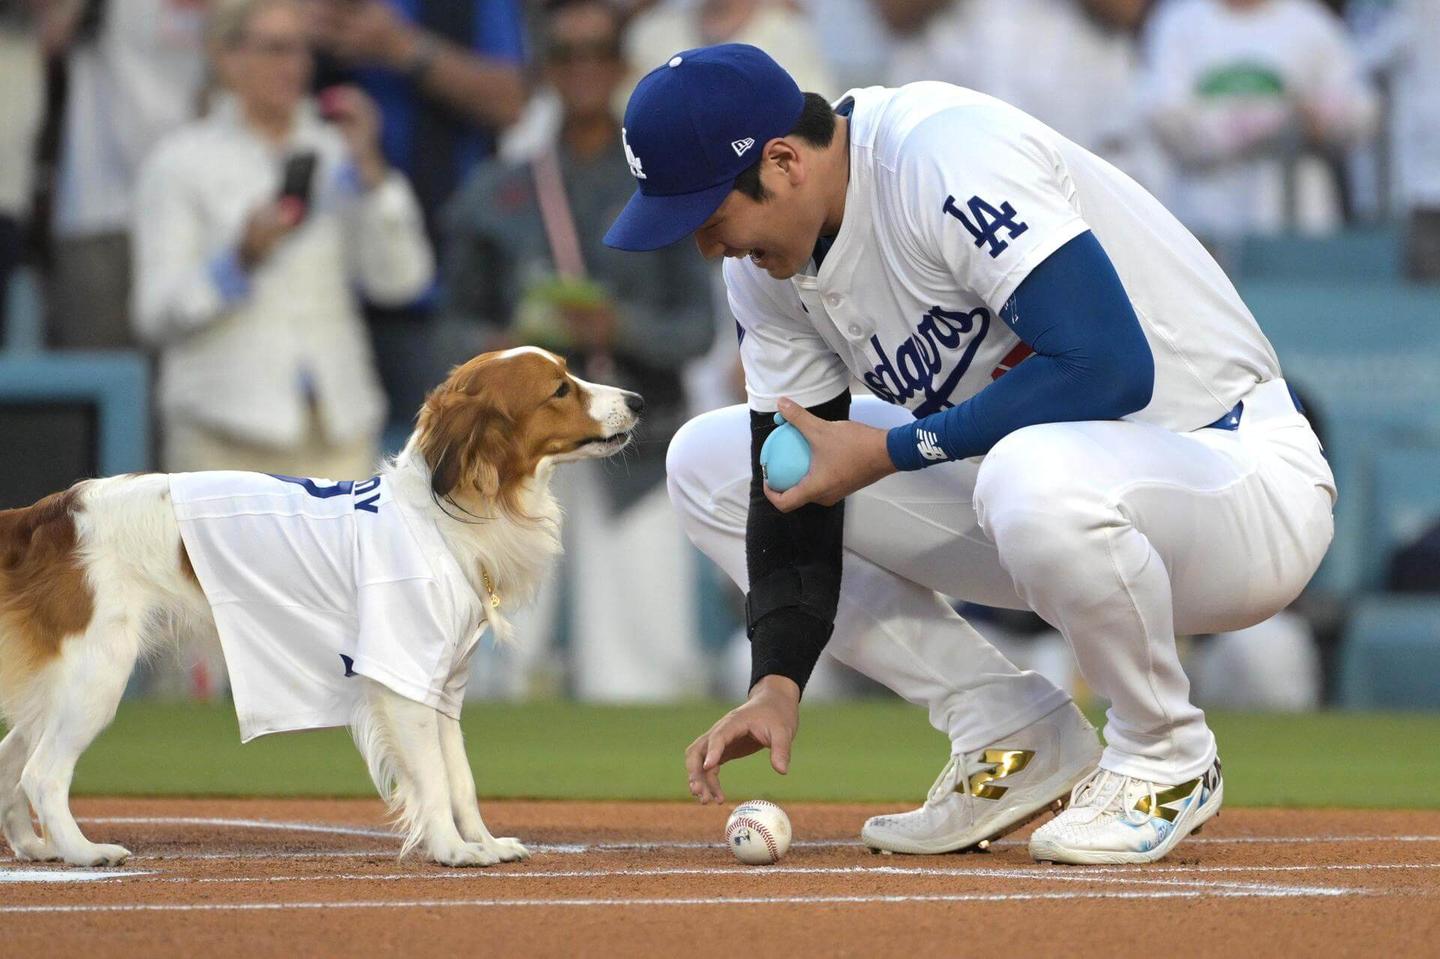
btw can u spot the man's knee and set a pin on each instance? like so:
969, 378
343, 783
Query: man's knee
703, 455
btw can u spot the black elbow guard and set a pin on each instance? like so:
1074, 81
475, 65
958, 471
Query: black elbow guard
794, 561
789, 616
813, 589
787, 643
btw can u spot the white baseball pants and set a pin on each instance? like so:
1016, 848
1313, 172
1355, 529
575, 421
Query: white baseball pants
1119, 534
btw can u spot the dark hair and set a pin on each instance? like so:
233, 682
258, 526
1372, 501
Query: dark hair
816, 127
554, 8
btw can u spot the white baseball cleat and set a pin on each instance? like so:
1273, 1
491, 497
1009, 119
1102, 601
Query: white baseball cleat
983, 795
1121, 819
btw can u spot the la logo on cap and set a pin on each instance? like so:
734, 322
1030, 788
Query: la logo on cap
635, 169
740, 146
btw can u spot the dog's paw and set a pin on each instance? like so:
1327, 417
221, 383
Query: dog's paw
97, 855
34, 849
509, 849
464, 855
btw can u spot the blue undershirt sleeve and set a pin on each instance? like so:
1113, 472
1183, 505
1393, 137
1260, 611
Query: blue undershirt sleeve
1091, 362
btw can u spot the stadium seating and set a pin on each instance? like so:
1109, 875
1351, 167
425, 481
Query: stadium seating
1371, 254
117, 384
1406, 486
1391, 655
104, 395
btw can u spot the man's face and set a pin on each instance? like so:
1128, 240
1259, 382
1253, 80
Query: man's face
268, 67
583, 60
777, 233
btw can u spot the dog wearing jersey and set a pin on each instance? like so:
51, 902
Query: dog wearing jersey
336, 603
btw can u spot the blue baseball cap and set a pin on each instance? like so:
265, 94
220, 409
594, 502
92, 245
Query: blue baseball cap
692, 126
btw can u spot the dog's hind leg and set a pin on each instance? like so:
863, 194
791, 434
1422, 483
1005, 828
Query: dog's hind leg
14, 807
86, 684
401, 742
464, 805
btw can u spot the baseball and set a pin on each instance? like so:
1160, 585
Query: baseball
758, 832
785, 457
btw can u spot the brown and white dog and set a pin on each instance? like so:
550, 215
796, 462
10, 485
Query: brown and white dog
87, 575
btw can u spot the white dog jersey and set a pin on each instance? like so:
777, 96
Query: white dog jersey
311, 581
954, 198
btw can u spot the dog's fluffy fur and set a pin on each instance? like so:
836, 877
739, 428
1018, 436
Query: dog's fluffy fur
91, 578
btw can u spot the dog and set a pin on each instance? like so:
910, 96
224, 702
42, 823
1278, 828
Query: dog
387, 585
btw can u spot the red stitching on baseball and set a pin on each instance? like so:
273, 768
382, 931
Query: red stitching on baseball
759, 827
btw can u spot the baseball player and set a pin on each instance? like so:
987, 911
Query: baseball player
1073, 413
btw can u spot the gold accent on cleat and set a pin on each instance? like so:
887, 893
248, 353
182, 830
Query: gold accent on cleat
1164, 797
1003, 762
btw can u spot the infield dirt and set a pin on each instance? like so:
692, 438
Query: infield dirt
287, 878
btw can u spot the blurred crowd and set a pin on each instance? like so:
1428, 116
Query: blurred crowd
306, 210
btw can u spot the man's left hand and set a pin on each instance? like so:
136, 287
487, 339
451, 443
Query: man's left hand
844, 456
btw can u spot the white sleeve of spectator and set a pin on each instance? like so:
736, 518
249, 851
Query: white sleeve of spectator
179, 270
780, 350
1188, 130
985, 198
389, 252
1338, 89
1165, 76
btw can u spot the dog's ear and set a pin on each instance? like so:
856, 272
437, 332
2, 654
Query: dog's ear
495, 456
467, 440
437, 422
488, 452
447, 421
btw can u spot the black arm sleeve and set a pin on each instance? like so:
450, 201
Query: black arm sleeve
794, 566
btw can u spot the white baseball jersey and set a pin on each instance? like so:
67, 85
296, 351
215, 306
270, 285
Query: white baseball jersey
954, 197
312, 580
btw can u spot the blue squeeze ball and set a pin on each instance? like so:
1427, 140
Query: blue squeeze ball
785, 457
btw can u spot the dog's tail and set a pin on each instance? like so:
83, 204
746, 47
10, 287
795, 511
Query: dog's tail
372, 727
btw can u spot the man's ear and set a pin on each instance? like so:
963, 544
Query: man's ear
787, 160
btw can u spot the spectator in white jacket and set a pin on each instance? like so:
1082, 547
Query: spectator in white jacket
1246, 96
249, 284
1407, 48
135, 71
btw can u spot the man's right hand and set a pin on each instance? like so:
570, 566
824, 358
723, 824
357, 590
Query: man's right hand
769, 718
266, 227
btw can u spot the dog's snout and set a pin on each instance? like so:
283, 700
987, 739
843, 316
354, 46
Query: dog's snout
635, 403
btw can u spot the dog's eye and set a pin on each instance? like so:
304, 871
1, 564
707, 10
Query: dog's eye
562, 390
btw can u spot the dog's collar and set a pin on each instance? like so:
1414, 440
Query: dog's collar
489, 588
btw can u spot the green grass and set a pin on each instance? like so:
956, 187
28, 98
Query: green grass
858, 751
